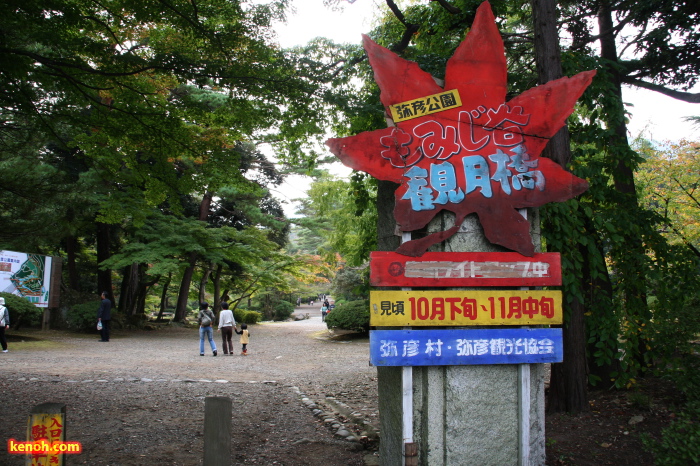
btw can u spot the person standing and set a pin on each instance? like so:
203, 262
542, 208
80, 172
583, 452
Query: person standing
4, 324
324, 311
104, 316
206, 319
226, 324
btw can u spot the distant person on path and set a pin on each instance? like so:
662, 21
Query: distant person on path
226, 324
245, 338
104, 316
324, 311
205, 319
4, 324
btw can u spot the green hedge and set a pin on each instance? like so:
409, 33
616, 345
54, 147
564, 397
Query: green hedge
246, 317
353, 315
22, 312
83, 316
283, 311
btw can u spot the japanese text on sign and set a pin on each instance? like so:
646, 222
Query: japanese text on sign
465, 346
47, 429
460, 307
512, 170
435, 269
472, 269
425, 106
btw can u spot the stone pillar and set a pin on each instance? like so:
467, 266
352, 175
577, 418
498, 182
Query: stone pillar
217, 430
463, 415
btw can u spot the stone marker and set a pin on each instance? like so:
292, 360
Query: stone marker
217, 431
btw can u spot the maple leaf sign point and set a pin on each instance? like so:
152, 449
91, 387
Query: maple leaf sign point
462, 147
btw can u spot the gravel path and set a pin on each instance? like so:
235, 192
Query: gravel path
298, 397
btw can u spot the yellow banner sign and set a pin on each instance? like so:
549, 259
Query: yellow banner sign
425, 105
465, 308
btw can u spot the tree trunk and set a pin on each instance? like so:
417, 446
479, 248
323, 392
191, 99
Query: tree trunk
203, 285
569, 380
217, 287
183, 293
104, 277
630, 261
129, 289
164, 297
71, 252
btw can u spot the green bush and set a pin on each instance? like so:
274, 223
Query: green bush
246, 317
680, 442
22, 312
283, 311
83, 316
353, 315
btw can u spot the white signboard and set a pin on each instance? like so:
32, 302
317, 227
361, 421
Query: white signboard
26, 275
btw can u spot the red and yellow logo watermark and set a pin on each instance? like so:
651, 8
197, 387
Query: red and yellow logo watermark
43, 447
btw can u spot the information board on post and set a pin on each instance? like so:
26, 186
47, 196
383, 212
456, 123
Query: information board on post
446, 308
450, 269
451, 347
26, 275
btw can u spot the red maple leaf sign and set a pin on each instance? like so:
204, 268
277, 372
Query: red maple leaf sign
478, 157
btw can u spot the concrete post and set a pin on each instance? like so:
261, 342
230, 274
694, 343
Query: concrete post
217, 431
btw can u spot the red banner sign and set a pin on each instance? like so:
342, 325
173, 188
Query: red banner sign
479, 156
452, 269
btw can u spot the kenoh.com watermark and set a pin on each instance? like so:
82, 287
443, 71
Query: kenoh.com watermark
43, 447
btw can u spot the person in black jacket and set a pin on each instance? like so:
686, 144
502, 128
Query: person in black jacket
104, 316
4, 324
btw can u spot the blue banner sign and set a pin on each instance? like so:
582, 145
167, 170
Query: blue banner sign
457, 347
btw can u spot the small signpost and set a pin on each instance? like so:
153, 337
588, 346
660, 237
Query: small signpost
46, 426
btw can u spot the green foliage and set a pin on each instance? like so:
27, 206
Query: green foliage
83, 316
680, 442
353, 315
243, 316
283, 311
676, 324
668, 182
131, 113
22, 312
344, 214
350, 284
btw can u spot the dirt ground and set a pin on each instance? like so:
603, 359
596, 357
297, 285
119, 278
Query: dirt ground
139, 399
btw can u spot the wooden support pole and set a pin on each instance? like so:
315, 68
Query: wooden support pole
217, 431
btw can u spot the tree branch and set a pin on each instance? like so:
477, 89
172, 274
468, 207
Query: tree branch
449, 8
693, 98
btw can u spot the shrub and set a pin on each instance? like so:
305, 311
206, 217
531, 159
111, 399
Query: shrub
679, 443
22, 312
283, 311
353, 315
83, 316
246, 317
